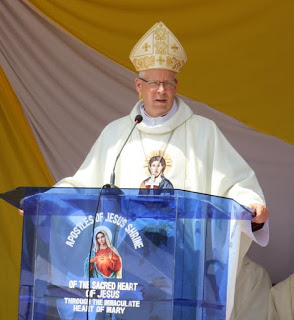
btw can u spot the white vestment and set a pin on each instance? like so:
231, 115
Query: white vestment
281, 300
198, 158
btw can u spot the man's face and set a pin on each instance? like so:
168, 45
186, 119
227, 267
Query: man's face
157, 101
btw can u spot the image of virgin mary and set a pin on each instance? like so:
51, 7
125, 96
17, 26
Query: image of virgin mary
105, 261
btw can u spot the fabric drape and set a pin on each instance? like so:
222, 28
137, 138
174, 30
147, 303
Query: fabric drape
71, 82
21, 164
239, 53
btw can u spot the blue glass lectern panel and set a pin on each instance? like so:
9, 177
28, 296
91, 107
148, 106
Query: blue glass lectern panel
116, 254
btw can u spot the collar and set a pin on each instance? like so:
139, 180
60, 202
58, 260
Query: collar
183, 114
154, 121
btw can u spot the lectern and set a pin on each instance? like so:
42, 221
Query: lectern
170, 254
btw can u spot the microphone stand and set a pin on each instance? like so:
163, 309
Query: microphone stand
138, 119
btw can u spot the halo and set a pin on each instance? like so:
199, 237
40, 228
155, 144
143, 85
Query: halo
165, 156
107, 230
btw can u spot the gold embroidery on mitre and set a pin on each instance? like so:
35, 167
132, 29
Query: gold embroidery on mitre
158, 49
160, 60
174, 47
144, 63
161, 33
146, 46
174, 63
161, 47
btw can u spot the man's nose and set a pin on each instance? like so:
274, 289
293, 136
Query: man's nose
161, 87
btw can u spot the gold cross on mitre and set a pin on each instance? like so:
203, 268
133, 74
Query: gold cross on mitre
160, 60
146, 46
174, 47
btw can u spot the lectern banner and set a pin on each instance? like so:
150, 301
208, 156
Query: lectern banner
124, 254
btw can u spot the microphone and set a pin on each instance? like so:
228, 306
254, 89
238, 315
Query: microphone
138, 119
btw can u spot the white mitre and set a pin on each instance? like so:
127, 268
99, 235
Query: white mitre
158, 49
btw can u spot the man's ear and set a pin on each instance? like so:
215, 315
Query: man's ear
138, 85
177, 83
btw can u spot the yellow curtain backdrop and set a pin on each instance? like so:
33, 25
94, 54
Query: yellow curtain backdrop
22, 164
239, 52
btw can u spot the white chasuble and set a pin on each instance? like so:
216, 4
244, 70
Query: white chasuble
196, 157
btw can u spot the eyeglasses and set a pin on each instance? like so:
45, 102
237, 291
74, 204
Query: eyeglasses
156, 84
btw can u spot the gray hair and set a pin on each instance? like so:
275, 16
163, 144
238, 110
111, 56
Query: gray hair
142, 74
